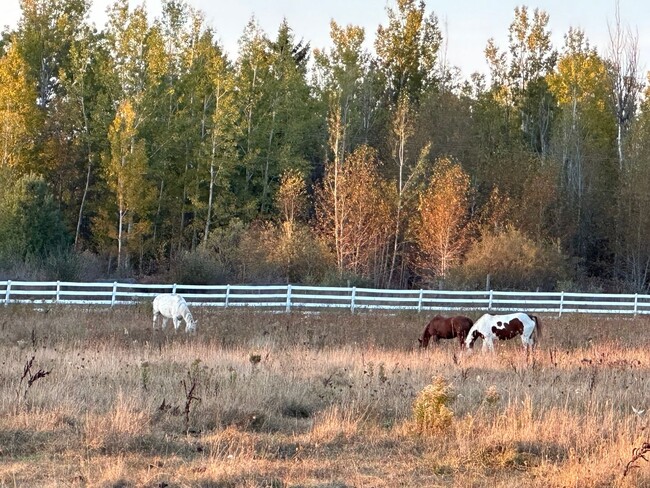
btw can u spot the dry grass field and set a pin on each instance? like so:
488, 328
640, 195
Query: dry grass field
97, 398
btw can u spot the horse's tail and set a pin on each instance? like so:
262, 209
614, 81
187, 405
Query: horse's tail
538, 326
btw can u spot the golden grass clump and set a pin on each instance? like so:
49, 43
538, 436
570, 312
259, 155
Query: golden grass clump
335, 424
116, 430
431, 413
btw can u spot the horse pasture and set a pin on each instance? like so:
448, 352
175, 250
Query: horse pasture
96, 398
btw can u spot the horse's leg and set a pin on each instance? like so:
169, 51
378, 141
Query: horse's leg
527, 342
529, 346
156, 313
164, 322
177, 322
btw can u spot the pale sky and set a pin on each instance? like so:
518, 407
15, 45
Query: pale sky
466, 24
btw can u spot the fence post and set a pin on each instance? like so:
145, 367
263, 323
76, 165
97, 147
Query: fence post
174, 288
288, 307
58, 291
561, 303
8, 293
420, 301
352, 296
490, 301
114, 293
636, 303
227, 296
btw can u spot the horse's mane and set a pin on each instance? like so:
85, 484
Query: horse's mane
185, 310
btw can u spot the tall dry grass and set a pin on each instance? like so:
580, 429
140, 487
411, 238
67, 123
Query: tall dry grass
315, 400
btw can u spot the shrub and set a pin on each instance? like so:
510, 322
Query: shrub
431, 413
197, 267
513, 261
223, 245
267, 253
299, 255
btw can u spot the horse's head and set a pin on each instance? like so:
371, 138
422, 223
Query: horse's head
191, 325
471, 338
426, 335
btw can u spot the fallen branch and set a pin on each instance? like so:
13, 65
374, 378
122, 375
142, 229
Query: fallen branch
637, 453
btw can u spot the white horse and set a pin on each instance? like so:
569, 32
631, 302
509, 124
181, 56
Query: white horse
173, 306
503, 327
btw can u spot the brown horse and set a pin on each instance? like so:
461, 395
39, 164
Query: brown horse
440, 327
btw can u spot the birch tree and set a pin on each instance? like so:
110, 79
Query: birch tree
125, 167
353, 215
623, 68
633, 218
584, 144
222, 134
441, 229
343, 72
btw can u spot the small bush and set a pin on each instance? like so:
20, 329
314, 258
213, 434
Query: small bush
63, 265
513, 261
198, 268
492, 395
430, 409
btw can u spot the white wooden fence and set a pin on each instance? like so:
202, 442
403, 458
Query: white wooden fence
295, 297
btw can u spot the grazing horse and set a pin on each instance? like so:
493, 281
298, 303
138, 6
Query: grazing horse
173, 306
440, 327
503, 327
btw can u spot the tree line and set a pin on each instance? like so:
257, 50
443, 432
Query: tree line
143, 150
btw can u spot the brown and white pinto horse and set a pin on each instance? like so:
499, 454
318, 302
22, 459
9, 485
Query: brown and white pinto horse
440, 327
503, 327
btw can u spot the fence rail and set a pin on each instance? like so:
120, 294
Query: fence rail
292, 297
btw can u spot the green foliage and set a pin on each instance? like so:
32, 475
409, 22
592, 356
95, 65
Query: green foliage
408, 49
31, 224
431, 412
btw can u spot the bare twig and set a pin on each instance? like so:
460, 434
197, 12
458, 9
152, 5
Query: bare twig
637, 453
189, 398
31, 377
